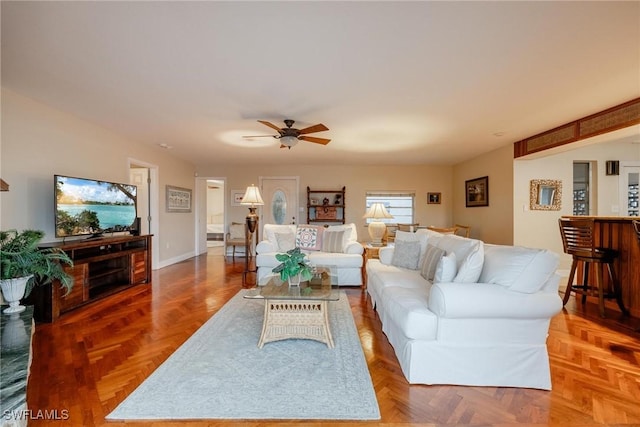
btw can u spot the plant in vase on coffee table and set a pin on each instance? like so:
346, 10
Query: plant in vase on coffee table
293, 266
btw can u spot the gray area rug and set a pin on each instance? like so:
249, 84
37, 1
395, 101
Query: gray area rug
220, 373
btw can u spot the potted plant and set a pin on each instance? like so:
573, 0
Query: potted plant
293, 268
23, 264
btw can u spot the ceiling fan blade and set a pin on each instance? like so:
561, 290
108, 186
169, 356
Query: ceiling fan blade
271, 125
322, 141
311, 129
260, 136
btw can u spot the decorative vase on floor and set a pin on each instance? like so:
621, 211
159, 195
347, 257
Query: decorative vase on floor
13, 291
14, 334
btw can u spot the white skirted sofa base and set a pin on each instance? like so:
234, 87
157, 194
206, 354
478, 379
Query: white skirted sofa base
482, 320
345, 256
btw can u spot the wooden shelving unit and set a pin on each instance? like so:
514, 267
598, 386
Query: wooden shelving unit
101, 267
326, 206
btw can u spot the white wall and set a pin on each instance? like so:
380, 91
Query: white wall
493, 223
38, 142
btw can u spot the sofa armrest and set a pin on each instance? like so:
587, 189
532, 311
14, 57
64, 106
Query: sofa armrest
489, 301
385, 254
265, 247
353, 247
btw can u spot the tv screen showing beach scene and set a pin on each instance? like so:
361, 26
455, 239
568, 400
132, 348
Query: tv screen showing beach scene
91, 207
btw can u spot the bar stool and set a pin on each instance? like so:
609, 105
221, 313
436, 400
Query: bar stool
578, 240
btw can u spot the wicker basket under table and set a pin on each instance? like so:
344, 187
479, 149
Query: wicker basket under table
297, 312
295, 319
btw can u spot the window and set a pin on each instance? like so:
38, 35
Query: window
399, 204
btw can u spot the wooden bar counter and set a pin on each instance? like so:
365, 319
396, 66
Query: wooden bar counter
617, 233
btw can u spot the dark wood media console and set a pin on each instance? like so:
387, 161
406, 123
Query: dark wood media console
101, 267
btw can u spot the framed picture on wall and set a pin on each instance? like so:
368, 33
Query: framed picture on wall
433, 198
236, 197
477, 192
178, 199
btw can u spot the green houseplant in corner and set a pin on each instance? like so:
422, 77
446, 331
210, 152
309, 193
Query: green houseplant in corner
293, 268
23, 264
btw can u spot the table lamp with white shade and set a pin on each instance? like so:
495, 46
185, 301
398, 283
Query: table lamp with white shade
252, 198
377, 229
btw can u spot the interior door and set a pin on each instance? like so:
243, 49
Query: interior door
281, 199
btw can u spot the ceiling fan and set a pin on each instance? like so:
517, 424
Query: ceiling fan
290, 136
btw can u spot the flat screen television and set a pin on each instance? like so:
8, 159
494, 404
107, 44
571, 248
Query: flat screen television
91, 207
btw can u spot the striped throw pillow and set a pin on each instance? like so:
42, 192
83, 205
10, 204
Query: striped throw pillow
432, 257
332, 241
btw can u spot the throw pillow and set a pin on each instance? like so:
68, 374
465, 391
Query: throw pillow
406, 236
236, 231
406, 255
350, 230
309, 237
270, 230
286, 241
446, 270
332, 241
469, 256
431, 259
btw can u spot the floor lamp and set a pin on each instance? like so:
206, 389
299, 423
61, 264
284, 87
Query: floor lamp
377, 228
252, 198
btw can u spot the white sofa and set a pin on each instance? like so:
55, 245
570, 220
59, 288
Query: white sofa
336, 246
482, 320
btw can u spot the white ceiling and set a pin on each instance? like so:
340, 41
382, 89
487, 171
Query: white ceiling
396, 83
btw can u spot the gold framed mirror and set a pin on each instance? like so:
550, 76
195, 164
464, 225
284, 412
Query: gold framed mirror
545, 194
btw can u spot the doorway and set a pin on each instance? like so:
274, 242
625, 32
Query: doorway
210, 214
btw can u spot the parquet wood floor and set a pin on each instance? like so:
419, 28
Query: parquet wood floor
92, 358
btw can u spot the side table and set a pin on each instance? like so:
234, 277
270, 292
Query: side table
370, 252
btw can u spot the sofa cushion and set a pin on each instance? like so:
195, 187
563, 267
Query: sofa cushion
285, 241
270, 230
433, 237
309, 237
388, 275
518, 268
431, 259
321, 258
469, 256
406, 254
333, 241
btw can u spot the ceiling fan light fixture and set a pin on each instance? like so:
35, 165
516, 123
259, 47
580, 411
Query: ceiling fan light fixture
289, 141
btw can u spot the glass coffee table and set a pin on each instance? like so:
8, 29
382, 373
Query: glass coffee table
297, 311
